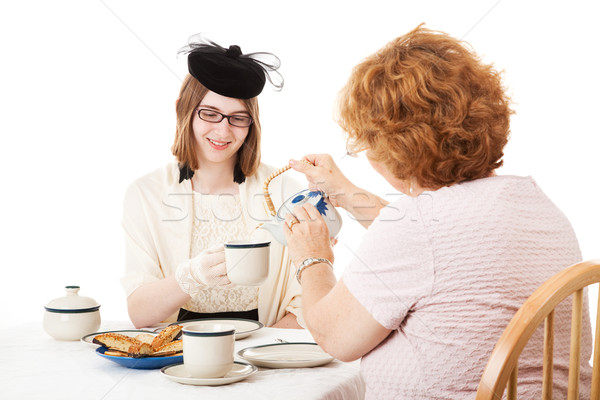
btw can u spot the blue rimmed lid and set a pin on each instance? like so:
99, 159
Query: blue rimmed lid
72, 303
234, 245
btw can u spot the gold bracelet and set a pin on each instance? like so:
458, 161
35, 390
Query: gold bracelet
308, 262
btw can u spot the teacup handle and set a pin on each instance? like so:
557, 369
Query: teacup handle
268, 200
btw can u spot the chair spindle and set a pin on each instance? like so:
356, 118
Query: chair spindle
511, 391
548, 356
595, 392
573, 392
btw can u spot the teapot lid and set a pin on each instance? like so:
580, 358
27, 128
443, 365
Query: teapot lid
72, 302
316, 198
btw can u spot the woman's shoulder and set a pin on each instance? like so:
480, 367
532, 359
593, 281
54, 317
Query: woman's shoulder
497, 185
501, 180
156, 181
166, 175
459, 198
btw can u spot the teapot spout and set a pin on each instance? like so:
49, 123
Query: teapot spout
275, 230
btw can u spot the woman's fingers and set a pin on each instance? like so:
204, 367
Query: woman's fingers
307, 234
301, 213
218, 248
308, 212
311, 211
318, 159
301, 166
225, 283
221, 277
219, 269
312, 165
290, 220
213, 259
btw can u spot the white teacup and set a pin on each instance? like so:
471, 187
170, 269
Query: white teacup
247, 262
208, 349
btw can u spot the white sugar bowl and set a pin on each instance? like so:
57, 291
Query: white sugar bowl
72, 316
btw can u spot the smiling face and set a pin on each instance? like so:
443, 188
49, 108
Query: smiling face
219, 142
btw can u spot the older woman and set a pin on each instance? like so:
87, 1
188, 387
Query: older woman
441, 271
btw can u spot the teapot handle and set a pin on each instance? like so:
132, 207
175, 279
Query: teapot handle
268, 200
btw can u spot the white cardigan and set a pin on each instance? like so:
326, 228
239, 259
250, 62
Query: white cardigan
158, 222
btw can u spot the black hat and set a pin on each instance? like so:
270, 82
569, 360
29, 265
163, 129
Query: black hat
228, 72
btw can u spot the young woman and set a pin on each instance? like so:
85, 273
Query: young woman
177, 218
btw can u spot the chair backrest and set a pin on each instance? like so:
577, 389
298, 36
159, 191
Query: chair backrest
502, 368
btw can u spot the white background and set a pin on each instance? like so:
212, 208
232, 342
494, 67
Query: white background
87, 92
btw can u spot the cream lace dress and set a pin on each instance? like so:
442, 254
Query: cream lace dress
217, 219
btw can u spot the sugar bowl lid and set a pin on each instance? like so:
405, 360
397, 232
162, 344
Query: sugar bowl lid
72, 302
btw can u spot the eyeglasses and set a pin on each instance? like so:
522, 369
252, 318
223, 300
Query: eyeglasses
354, 154
241, 121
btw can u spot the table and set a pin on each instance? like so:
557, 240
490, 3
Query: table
36, 366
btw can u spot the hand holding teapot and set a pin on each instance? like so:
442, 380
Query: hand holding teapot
314, 197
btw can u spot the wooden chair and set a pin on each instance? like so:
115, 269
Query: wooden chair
502, 368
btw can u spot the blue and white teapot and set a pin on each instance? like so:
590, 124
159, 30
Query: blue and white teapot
316, 198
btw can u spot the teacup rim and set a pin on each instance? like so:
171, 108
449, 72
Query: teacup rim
224, 330
243, 244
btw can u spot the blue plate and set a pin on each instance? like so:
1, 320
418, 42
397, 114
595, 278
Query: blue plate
141, 363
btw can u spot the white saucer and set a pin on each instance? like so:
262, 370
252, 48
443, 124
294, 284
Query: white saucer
286, 355
243, 327
178, 373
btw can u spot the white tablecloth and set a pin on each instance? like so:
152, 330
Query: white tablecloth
35, 366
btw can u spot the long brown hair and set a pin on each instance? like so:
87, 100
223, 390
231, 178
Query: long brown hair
184, 147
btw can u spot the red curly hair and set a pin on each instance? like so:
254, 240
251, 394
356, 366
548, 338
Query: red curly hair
428, 109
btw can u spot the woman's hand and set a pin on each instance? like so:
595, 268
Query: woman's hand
307, 234
324, 175
205, 270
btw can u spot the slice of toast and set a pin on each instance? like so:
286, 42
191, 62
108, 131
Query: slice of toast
138, 350
126, 344
145, 338
169, 349
115, 341
166, 336
115, 353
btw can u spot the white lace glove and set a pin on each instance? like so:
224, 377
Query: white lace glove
206, 270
